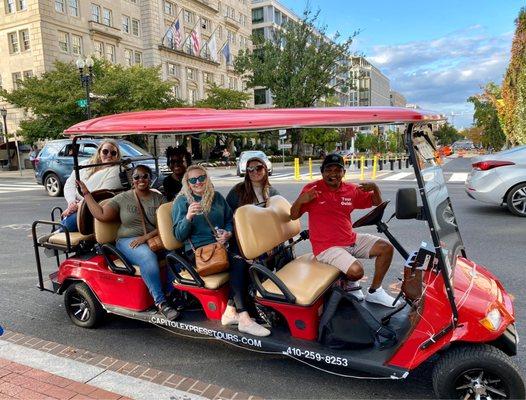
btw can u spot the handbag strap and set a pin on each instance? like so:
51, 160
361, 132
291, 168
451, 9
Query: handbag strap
141, 212
212, 228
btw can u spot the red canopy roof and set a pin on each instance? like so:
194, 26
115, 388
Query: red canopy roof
187, 120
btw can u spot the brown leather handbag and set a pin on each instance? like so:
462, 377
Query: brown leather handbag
155, 243
212, 258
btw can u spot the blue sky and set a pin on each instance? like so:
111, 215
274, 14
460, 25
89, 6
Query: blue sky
436, 54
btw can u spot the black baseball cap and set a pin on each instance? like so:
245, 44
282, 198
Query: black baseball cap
332, 159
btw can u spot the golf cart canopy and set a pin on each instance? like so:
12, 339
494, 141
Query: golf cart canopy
192, 120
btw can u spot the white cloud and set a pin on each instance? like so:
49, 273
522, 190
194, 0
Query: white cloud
444, 72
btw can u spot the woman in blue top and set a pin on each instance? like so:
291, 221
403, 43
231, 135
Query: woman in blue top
198, 197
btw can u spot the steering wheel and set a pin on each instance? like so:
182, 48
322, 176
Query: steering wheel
372, 217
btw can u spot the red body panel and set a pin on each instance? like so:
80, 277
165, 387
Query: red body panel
110, 288
302, 321
476, 292
213, 301
210, 120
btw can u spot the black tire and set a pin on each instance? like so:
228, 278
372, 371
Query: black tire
485, 368
516, 200
53, 185
82, 306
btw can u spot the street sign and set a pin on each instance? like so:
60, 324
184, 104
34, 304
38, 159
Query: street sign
282, 133
284, 146
82, 103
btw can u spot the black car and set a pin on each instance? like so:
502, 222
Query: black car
54, 163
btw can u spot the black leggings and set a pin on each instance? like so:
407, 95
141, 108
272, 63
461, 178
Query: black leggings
238, 281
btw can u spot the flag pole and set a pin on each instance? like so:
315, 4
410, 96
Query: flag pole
210, 37
170, 27
191, 30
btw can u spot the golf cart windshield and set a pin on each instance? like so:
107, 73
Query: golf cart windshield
437, 204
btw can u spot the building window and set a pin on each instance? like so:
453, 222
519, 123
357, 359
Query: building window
169, 8
76, 44
95, 13
205, 24
257, 15
190, 73
136, 27
10, 6
188, 17
128, 57
230, 83
73, 7
173, 69
277, 17
107, 17
13, 42
17, 77
98, 49
63, 41
192, 96
220, 32
138, 57
59, 6
208, 77
176, 90
222, 80
22, 5
110, 53
230, 36
126, 24
260, 96
24, 40
28, 74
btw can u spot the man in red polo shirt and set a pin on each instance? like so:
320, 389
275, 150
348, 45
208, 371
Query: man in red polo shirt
329, 202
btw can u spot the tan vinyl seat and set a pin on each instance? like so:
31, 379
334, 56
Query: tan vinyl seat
74, 238
259, 230
165, 226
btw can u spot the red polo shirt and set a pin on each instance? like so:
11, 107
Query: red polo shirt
330, 214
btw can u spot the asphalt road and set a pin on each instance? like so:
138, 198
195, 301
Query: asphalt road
492, 237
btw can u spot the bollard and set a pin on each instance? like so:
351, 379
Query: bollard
407, 162
366, 161
297, 169
310, 168
375, 166
362, 168
351, 165
382, 162
391, 165
399, 163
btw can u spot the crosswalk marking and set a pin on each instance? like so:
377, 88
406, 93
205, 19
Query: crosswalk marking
11, 187
398, 176
458, 177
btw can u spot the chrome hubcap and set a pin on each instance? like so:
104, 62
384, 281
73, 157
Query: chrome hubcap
519, 200
478, 385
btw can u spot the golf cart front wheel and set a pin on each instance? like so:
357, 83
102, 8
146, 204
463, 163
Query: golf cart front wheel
82, 306
477, 372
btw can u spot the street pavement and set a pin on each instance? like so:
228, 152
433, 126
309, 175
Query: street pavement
492, 236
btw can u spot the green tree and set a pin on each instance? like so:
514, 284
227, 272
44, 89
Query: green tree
447, 134
299, 64
322, 138
487, 118
51, 98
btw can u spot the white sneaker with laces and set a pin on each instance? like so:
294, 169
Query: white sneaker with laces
380, 296
351, 288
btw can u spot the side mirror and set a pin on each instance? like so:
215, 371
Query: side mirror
406, 207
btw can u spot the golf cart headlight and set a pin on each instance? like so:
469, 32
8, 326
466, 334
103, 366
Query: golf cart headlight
493, 320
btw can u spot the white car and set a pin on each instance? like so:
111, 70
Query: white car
500, 179
247, 155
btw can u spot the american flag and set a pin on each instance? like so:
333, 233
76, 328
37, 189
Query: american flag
176, 33
196, 42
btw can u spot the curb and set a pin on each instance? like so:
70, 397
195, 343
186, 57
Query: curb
108, 373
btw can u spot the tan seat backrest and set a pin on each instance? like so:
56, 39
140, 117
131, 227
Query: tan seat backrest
85, 221
165, 226
259, 229
105, 232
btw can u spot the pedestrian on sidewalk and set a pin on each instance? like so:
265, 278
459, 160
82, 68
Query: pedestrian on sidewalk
33, 155
226, 156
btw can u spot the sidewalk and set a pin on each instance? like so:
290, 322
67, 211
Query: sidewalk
32, 368
26, 173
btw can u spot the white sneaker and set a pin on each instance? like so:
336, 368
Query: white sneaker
380, 296
253, 328
351, 288
229, 319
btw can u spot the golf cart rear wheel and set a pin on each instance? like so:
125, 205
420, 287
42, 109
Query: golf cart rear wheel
477, 372
82, 306
516, 200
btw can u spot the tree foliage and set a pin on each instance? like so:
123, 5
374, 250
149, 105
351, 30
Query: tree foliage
299, 64
512, 109
223, 99
486, 116
447, 134
50, 99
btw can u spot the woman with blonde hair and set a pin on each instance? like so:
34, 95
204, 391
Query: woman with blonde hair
198, 197
96, 178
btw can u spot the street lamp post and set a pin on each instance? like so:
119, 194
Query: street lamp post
3, 112
85, 79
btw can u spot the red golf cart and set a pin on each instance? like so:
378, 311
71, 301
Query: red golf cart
452, 307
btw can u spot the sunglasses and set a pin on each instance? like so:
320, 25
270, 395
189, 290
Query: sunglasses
257, 168
136, 177
200, 178
107, 151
